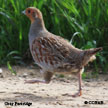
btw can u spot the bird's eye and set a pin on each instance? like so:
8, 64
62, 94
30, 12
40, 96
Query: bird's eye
28, 11
33, 14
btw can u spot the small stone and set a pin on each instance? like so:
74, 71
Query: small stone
42, 89
24, 75
31, 74
1, 70
1, 76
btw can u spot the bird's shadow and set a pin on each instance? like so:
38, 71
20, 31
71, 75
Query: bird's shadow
18, 96
26, 97
29, 97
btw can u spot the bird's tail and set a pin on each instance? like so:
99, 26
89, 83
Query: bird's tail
93, 51
89, 55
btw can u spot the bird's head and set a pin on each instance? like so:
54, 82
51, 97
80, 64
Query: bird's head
32, 13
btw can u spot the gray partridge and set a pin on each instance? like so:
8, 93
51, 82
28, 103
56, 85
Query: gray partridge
53, 53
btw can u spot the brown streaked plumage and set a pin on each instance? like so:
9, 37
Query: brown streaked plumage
53, 53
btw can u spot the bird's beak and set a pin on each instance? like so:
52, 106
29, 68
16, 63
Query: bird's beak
23, 12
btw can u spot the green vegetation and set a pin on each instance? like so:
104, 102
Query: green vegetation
85, 20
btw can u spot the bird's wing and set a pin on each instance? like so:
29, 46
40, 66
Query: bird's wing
49, 50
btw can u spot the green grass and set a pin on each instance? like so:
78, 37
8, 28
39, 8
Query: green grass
85, 20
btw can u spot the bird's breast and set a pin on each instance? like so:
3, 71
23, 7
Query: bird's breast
42, 56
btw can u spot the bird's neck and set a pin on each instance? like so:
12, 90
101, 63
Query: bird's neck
35, 29
37, 26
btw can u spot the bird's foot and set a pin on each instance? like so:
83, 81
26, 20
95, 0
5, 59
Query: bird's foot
79, 93
34, 81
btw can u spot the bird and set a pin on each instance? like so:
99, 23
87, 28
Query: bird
54, 54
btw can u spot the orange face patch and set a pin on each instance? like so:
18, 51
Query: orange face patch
33, 13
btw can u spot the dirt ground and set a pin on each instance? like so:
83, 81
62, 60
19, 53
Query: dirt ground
14, 91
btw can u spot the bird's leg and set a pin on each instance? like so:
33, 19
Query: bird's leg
35, 81
47, 79
80, 81
79, 93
